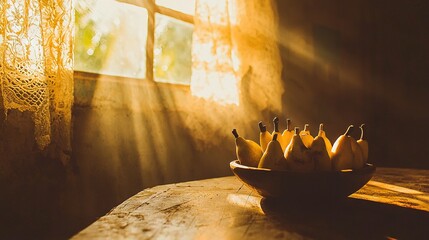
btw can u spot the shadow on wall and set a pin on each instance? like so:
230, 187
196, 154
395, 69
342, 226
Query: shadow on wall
359, 62
31, 185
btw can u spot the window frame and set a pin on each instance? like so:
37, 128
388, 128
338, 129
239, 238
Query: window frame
152, 9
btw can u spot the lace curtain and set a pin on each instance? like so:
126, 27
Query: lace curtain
36, 67
235, 49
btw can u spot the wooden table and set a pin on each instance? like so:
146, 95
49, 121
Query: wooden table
393, 205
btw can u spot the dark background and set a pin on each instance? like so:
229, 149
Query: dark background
360, 62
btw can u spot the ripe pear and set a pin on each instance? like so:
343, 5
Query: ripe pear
277, 131
342, 153
287, 134
358, 158
273, 157
363, 143
248, 152
297, 155
306, 137
328, 143
264, 136
320, 154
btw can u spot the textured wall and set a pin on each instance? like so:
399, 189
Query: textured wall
349, 62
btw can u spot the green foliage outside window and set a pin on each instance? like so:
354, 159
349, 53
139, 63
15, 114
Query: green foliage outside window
172, 55
92, 46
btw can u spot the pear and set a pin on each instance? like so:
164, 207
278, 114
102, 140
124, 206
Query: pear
306, 137
363, 143
297, 155
358, 158
287, 134
264, 136
248, 152
328, 143
342, 153
273, 157
320, 154
276, 131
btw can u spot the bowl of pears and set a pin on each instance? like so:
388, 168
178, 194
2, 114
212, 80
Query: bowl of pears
294, 165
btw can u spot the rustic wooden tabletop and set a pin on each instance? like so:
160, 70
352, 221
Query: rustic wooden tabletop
393, 205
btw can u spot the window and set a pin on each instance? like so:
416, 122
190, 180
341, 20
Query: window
139, 39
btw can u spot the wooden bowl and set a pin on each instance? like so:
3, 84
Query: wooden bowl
311, 186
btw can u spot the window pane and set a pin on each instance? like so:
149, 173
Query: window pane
172, 50
110, 38
185, 6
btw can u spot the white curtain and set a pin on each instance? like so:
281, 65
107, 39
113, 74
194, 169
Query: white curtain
36, 67
235, 49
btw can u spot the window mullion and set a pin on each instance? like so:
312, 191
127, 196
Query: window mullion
150, 6
176, 14
149, 45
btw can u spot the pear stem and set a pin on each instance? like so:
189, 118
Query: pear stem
321, 127
275, 137
296, 130
306, 127
361, 132
234, 132
276, 124
288, 125
349, 130
262, 127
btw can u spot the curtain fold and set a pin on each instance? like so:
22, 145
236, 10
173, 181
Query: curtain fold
235, 53
36, 68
